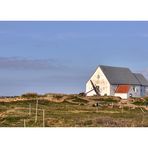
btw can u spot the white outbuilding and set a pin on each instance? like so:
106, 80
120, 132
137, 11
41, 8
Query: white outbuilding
116, 81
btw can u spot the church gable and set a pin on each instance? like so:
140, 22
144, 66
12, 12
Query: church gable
108, 80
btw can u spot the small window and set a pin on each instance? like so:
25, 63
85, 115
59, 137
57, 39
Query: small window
98, 76
134, 89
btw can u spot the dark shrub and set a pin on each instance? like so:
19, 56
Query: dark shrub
57, 96
79, 100
82, 94
30, 95
110, 99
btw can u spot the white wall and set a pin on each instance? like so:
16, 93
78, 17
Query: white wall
122, 95
145, 91
113, 89
100, 80
106, 88
136, 93
142, 89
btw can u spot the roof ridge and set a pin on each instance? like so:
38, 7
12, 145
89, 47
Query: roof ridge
141, 78
136, 77
113, 66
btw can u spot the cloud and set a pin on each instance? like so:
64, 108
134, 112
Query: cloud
19, 63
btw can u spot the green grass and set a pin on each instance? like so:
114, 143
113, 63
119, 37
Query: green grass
69, 114
79, 100
139, 103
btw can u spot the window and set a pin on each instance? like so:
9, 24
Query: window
98, 76
134, 89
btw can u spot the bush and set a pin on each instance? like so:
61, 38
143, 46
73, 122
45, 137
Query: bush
146, 99
57, 96
82, 94
139, 103
110, 99
30, 95
71, 97
79, 100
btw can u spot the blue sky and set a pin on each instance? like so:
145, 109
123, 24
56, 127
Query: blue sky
60, 56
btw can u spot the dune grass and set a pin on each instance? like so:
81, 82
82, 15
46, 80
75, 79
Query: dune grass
69, 114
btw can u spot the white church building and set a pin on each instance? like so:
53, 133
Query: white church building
116, 81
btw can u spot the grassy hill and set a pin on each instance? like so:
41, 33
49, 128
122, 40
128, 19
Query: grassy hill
59, 110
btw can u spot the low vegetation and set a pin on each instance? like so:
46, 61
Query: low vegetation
30, 95
58, 110
108, 99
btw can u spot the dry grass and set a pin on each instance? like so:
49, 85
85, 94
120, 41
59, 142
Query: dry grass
72, 111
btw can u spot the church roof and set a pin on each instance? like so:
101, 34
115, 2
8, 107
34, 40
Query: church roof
120, 75
142, 80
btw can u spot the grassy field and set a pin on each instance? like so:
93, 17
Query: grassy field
71, 111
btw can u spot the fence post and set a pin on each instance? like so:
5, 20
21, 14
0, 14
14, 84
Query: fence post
24, 123
122, 109
29, 109
43, 118
36, 113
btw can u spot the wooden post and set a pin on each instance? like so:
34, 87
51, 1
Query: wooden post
29, 109
43, 118
24, 123
142, 120
122, 109
36, 113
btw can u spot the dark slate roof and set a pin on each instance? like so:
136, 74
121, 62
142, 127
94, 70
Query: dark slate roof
119, 75
142, 80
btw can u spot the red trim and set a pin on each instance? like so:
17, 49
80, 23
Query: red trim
123, 89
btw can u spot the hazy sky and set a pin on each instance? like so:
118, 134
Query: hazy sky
60, 56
